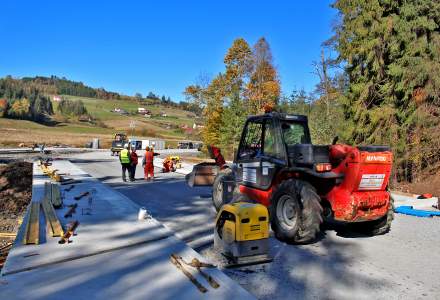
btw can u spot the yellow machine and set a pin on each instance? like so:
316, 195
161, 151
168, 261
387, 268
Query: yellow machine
241, 233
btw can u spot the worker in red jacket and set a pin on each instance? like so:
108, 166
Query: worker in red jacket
134, 162
147, 163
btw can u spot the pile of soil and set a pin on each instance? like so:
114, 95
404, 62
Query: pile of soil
15, 195
15, 188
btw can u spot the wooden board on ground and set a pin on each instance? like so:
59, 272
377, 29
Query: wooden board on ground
32, 231
56, 196
53, 223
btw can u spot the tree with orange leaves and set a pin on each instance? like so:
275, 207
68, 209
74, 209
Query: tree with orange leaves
263, 88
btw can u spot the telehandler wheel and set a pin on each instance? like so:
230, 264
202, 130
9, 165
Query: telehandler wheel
217, 188
296, 212
379, 226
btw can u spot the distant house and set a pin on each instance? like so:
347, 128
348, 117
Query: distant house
143, 111
120, 111
56, 98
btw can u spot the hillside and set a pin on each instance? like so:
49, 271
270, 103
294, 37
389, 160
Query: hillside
30, 114
72, 132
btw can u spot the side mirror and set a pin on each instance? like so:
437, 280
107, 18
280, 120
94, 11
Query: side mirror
335, 140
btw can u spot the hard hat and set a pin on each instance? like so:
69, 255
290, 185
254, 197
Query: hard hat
126, 146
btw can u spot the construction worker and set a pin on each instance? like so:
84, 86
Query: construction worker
147, 163
168, 165
134, 162
124, 158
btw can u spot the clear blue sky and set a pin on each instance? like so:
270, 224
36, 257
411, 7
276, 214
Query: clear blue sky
159, 46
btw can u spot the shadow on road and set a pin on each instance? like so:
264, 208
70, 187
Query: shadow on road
323, 270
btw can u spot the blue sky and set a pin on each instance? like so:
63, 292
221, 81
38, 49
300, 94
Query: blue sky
159, 46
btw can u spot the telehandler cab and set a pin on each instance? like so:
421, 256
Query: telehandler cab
303, 184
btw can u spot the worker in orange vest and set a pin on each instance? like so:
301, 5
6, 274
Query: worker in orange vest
147, 163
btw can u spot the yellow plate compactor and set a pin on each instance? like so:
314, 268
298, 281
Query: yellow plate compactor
242, 233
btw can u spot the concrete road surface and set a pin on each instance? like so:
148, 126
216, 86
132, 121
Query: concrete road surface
403, 264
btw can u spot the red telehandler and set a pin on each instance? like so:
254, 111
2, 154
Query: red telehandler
302, 184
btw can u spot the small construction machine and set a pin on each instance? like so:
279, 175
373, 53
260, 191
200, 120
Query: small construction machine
242, 233
302, 184
118, 143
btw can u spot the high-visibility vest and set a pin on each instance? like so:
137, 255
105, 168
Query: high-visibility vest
125, 159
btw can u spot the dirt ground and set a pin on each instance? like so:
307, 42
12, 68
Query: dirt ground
429, 182
15, 195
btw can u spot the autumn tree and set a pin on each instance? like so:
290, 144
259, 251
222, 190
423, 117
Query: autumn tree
264, 85
3, 107
232, 95
239, 63
20, 108
213, 112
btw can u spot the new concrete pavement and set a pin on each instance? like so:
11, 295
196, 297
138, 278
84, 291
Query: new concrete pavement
403, 264
113, 256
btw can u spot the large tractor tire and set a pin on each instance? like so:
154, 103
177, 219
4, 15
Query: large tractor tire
379, 226
296, 212
217, 188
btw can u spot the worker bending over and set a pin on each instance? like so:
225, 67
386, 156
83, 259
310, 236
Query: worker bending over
124, 158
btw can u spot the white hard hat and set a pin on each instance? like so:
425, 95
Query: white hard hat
126, 146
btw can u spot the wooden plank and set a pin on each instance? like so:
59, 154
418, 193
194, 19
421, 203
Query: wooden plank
8, 234
47, 190
32, 231
56, 196
53, 223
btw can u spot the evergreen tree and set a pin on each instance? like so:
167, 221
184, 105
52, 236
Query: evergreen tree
233, 120
391, 50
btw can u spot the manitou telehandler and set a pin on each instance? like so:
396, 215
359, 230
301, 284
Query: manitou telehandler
302, 184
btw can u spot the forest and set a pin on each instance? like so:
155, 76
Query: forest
379, 83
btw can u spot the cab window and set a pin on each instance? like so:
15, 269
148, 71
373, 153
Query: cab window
251, 143
271, 147
293, 133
